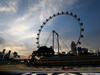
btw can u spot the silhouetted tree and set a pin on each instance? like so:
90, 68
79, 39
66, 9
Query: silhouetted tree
15, 55
45, 51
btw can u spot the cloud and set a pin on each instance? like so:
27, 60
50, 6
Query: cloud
44, 10
8, 6
2, 41
20, 30
17, 46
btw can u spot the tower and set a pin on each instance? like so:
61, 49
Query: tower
3, 53
73, 47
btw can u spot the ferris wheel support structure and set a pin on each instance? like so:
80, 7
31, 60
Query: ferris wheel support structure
54, 32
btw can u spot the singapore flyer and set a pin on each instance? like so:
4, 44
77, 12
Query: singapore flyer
63, 28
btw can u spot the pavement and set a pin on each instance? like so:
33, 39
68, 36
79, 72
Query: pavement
24, 68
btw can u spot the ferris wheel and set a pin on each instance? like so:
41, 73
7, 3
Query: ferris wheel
67, 25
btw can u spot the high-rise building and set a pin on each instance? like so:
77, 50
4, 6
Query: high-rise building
73, 47
2, 54
7, 56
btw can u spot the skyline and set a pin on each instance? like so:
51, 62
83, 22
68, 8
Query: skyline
21, 19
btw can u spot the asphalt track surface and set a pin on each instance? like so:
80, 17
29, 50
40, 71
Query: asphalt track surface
24, 70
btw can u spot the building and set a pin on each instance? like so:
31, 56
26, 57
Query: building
73, 47
4, 56
7, 56
82, 51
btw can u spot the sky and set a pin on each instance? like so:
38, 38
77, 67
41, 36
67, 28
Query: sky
20, 21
